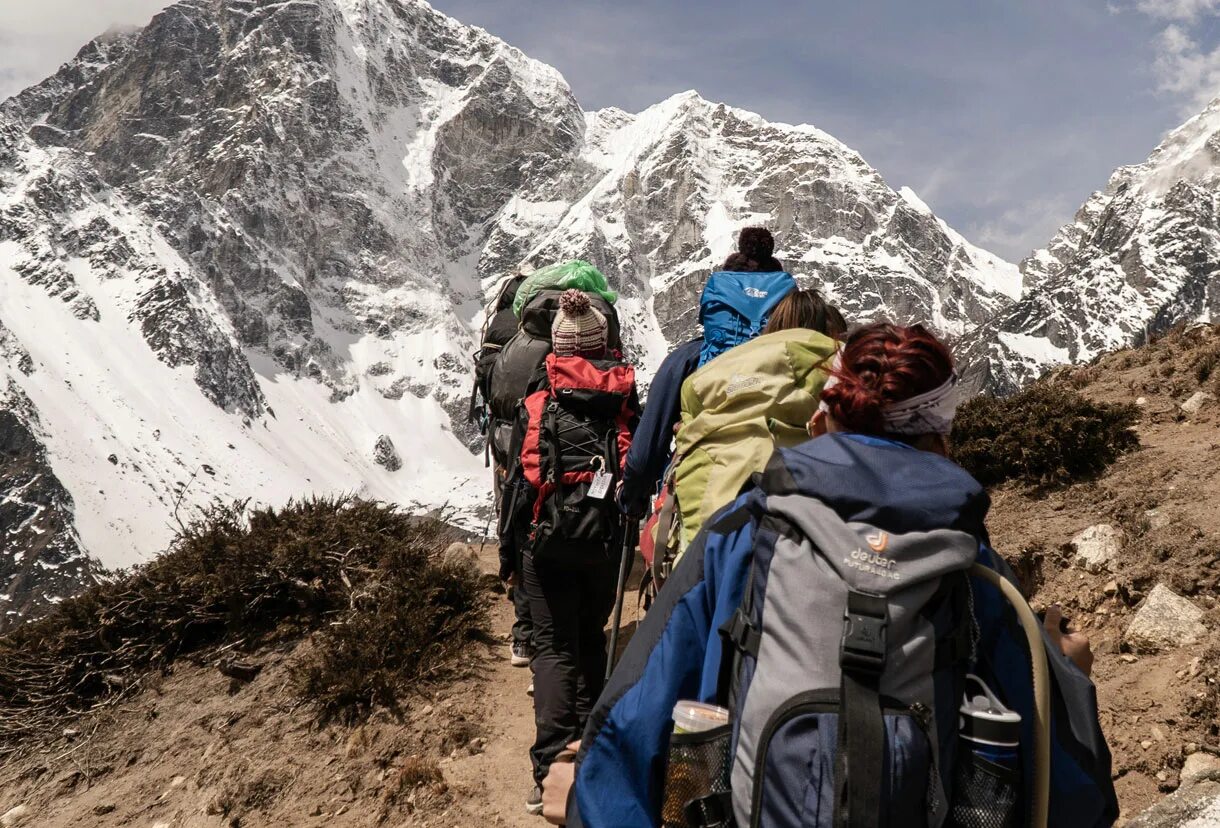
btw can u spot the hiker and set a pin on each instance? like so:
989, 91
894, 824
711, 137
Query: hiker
499, 328
723, 327
737, 408
569, 443
526, 309
830, 611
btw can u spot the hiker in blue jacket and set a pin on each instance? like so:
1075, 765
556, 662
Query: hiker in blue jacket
878, 460
651, 450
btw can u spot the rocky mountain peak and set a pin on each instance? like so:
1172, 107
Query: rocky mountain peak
246, 242
1138, 257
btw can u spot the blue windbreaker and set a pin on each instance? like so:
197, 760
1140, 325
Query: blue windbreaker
675, 653
651, 446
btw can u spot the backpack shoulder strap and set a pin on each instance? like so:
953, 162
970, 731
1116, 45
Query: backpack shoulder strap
860, 762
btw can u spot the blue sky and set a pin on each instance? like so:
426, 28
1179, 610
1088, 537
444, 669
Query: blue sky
1003, 115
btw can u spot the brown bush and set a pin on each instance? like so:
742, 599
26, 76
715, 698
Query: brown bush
1048, 434
370, 575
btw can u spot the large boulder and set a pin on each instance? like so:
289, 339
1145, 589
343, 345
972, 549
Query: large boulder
1192, 806
1165, 620
1200, 766
1098, 547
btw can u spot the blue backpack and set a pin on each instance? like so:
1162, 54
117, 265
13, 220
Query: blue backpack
735, 306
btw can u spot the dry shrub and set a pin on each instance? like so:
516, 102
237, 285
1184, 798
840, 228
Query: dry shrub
236, 578
409, 620
1204, 366
1047, 434
418, 770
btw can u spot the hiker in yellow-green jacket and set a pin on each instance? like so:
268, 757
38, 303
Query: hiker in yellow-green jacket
744, 403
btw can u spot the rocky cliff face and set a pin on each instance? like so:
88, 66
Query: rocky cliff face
1139, 257
656, 200
242, 245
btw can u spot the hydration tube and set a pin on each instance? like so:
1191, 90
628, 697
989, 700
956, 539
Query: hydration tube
1040, 804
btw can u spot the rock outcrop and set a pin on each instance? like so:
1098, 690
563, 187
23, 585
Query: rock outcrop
1139, 257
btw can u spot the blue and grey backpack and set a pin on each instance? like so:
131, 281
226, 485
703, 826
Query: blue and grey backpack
835, 725
835, 609
734, 308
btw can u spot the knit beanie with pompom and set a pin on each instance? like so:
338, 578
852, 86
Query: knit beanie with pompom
578, 328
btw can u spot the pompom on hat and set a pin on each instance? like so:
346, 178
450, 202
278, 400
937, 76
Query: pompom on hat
578, 328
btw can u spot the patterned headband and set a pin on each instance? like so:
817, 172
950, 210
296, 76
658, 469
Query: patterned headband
928, 413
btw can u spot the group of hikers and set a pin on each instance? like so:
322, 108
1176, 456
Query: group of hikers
829, 638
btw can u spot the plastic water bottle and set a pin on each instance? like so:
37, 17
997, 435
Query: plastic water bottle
988, 763
697, 778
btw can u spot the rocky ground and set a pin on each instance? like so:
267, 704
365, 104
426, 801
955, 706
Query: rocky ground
1134, 559
201, 749
1131, 557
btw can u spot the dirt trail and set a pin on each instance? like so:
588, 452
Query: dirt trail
495, 783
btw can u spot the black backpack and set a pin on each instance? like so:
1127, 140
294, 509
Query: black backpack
521, 357
499, 327
578, 428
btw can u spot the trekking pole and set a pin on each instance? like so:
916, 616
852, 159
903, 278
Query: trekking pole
624, 569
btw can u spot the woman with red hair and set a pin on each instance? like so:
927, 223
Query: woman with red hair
831, 612
892, 382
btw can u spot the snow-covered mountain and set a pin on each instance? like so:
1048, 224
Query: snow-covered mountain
1139, 257
243, 249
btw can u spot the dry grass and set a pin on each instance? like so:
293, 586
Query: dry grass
370, 578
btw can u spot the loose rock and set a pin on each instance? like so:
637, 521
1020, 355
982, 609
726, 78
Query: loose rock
1098, 546
1165, 620
1197, 402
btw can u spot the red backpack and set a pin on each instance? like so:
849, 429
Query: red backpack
577, 435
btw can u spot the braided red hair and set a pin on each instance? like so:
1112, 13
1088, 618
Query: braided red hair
883, 364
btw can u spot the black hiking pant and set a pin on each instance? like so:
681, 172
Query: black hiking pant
569, 608
523, 625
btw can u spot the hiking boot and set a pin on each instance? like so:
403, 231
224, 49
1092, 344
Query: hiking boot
533, 804
522, 654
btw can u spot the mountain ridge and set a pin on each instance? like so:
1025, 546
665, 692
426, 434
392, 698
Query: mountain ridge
245, 249
1138, 257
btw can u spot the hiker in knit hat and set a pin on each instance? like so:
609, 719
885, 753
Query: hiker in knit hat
573, 429
579, 329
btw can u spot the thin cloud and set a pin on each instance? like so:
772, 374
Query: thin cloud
1022, 228
1186, 69
1183, 66
1187, 11
36, 36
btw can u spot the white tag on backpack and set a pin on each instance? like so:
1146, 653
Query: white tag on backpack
600, 485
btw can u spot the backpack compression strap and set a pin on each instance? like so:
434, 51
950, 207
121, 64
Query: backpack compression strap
861, 756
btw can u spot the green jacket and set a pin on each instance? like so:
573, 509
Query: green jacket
736, 409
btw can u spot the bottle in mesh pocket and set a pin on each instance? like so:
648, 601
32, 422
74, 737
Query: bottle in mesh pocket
985, 794
697, 778
988, 779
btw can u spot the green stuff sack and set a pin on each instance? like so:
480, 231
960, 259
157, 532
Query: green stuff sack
574, 274
737, 409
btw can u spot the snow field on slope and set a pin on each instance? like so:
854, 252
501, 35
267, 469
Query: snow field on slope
99, 391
